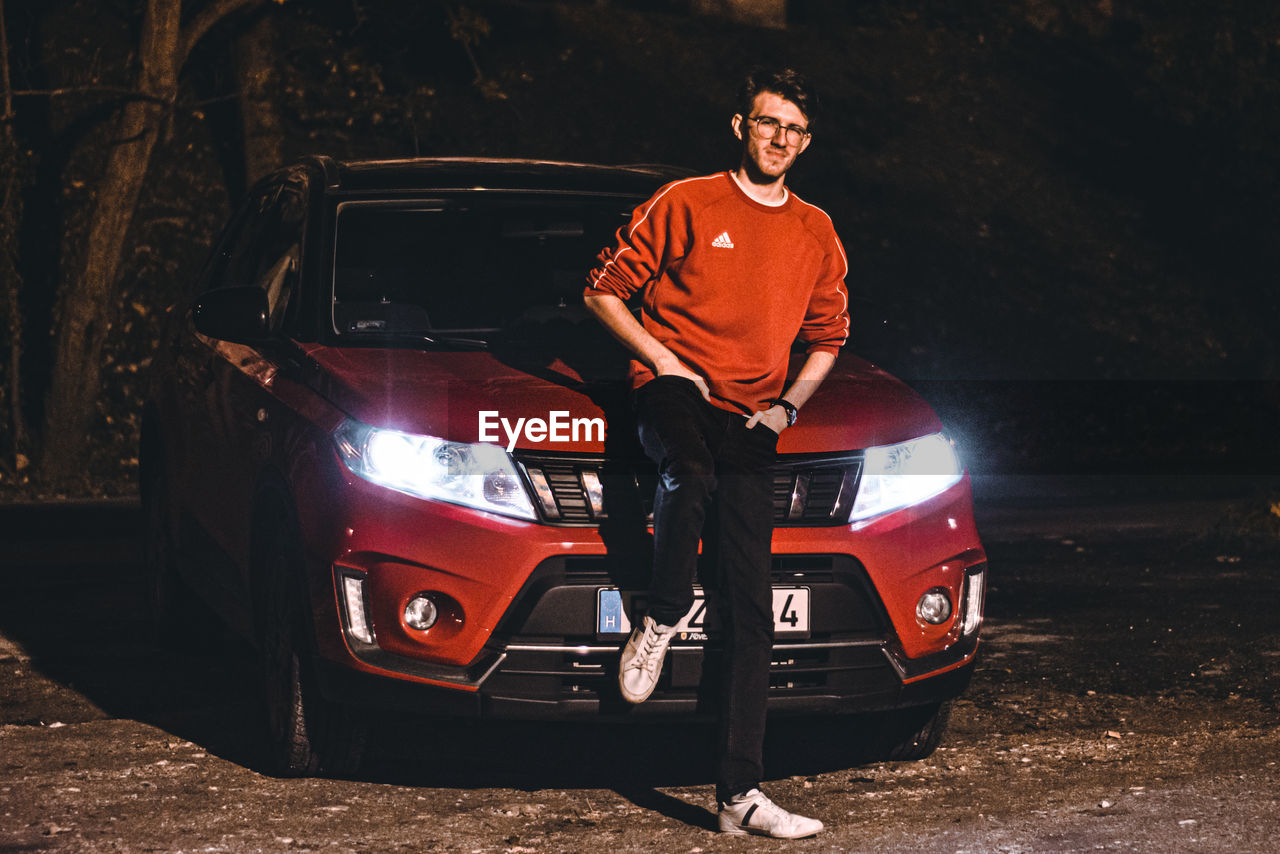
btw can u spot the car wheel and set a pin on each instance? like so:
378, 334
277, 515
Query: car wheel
306, 733
915, 733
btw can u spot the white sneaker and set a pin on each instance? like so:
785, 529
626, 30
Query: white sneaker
642, 660
753, 813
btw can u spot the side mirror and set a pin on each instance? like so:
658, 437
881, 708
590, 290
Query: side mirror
233, 314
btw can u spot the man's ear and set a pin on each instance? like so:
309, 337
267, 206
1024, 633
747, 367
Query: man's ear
736, 123
805, 144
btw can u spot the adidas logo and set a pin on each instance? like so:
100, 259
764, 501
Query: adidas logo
723, 241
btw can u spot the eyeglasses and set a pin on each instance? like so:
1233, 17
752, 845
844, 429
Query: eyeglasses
767, 127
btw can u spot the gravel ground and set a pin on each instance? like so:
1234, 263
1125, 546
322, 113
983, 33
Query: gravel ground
1124, 701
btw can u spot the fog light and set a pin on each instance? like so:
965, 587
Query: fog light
934, 607
357, 617
421, 612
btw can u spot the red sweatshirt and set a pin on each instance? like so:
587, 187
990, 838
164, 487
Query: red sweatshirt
728, 283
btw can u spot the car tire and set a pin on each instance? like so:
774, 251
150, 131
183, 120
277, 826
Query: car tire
307, 734
914, 733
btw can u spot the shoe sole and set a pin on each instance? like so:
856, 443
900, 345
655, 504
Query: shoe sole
734, 828
738, 830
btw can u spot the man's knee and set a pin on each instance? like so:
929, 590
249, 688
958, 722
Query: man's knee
689, 473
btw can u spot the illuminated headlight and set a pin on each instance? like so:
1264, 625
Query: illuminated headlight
475, 475
896, 476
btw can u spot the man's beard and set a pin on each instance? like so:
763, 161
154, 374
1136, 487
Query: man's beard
757, 172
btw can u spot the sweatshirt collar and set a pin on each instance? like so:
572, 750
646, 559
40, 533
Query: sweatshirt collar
746, 197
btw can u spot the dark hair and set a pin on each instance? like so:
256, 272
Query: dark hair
787, 82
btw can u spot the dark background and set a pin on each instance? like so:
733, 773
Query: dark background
1058, 214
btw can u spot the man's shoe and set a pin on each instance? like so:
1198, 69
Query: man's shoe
642, 660
753, 813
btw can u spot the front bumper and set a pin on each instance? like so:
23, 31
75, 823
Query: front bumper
546, 661
345, 685
524, 644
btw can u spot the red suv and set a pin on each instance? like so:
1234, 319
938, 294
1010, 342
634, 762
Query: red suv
388, 444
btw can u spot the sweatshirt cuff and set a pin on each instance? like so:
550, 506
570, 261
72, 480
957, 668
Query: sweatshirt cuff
600, 289
823, 347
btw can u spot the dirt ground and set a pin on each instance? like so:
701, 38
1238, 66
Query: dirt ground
1124, 701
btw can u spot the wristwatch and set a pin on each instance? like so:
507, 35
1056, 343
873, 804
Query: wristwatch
789, 407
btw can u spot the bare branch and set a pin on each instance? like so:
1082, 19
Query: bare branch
216, 99
205, 21
124, 91
466, 28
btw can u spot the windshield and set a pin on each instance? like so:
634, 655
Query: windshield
488, 269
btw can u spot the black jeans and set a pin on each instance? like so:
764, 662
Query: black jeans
715, 485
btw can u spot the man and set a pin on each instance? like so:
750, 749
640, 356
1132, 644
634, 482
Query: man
731, 267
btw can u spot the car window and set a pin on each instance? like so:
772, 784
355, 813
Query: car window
474, 269
238, 229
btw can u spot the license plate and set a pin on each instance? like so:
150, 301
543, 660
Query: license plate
615, 610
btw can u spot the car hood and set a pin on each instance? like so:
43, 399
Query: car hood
482, 396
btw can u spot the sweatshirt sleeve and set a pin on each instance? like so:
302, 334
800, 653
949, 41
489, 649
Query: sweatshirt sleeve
642, 248
826, 322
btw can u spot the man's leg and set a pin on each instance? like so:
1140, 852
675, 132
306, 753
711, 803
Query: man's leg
742, 557
673, 424
673, 421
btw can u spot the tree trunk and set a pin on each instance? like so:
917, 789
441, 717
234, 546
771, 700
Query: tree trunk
10, 219
87, 303
259, 84
10, 222
88, 300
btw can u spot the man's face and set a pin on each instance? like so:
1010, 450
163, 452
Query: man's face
770, 157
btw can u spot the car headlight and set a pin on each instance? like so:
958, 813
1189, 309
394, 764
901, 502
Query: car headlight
896, 476
476, 475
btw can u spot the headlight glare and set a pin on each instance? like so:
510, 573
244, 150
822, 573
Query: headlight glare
475, 475
897, 476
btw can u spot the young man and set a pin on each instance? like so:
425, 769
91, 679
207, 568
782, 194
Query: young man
732, 268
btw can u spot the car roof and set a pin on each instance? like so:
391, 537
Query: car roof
480, 173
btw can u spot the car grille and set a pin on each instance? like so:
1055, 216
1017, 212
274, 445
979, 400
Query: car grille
553, 654
571, 490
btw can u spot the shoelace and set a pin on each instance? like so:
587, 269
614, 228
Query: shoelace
646, 656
